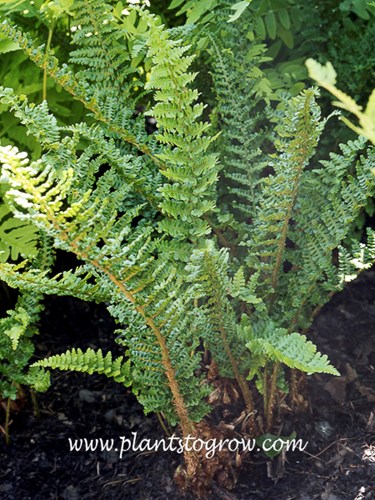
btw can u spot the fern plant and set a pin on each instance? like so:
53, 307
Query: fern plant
192, 270
17, 329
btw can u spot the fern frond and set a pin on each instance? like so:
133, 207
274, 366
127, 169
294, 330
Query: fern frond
209, 268
16, 331
335, 194
189, 167
99, 46
42, 125
300, 132
291, 349
245, 290
240, 99
71, 283
17, 238
120, 255
37, 119
89, 361
217, 324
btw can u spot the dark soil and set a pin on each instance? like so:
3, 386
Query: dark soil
338, 463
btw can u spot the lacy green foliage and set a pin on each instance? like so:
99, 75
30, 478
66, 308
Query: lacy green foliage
334, 194
85, 215
136, 209
296, 227
16, 347
90, 362
99, 45
186, 164
16, 331
298, 136
17, 238
240, 88
75, 284
216, 321
267, 341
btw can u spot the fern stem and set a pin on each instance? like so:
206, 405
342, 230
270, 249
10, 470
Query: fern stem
49, 40
162, 424
7, 422
187, 427
265, 390
221, 311
293, 386
271, 396
284, 231
246, 392
34, 401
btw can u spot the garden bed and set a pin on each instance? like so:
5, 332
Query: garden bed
338, 463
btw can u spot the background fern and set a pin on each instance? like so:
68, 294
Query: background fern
17, 330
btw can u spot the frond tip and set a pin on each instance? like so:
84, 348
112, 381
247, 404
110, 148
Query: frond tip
293, 350
89, 362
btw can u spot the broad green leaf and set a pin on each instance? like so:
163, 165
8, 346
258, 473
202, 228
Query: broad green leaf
174, 4
7, 45
239, 8
360, 8
286, 36
284, 18
270, 21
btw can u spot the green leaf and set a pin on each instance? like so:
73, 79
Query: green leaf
239, 8
17, 238
284, 18
7, 45
360, 8
174, 4
260, 28
271, 25
286, 36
